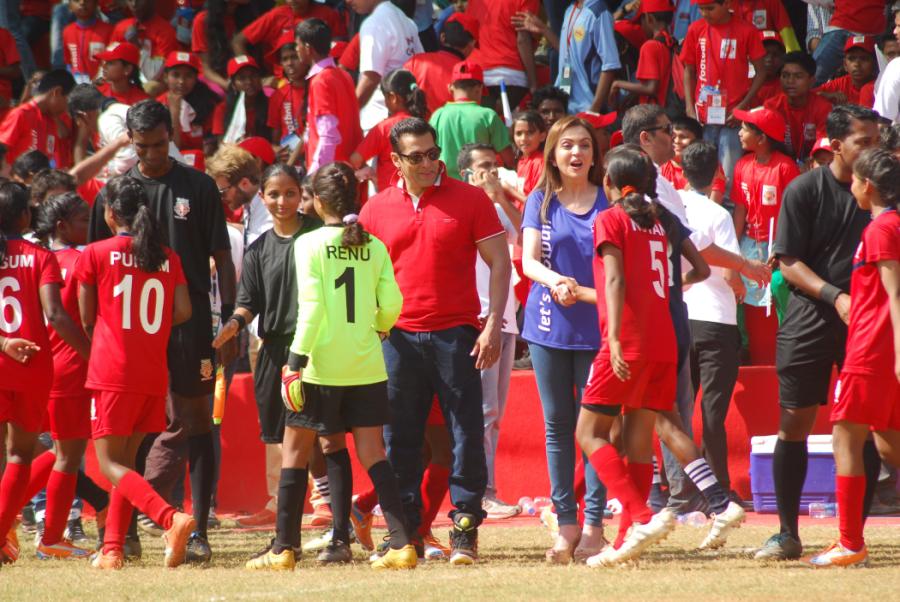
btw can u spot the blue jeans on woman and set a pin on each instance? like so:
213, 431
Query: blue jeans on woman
561, 376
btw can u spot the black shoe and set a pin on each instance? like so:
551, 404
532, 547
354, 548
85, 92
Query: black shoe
782, 546
29, 524
463, 540
75, 532
198, 551
132, 549
337, 552
148, 526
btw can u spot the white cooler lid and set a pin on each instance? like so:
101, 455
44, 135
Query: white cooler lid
820, 444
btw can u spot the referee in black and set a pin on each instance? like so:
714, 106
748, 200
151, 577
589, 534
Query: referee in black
819, 229
188, 206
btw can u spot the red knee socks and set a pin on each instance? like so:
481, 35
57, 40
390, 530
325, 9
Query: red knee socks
60, 493
435, 483
118, 518
850, 493
144, 498
642, 477
618, 481
366, 500
12, 495
40, 472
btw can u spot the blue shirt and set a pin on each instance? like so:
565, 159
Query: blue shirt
587, 46
567, 248
686, 12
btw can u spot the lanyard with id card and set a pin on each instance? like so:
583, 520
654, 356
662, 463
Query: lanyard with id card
715, 101
565, 75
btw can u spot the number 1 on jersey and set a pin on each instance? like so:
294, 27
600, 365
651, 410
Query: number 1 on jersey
347, 278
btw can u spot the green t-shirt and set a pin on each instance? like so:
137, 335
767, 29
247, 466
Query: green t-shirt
347, 295
466, 122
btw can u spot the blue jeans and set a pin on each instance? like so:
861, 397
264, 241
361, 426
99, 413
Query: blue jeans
829, 54
729, 144
60, 18
420, 365
11, 19
561, 376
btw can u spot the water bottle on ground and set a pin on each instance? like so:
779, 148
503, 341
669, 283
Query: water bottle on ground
540, 503
693, 519
527, 505
822, 510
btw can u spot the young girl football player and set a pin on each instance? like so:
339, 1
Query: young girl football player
867, 401
30, 281
132, 290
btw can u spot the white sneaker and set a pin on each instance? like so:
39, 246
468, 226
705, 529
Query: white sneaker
608, 556
497, 509
319, 543
640, 537
722, 525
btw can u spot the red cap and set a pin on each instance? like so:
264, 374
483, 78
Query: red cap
822, 144
631, 31
121, 51
616, 139
866, 43
598, 120
467, 70
176, 57
239, 62
468, 23
771, 123
259, 147
286, 37
771, 36
655, 6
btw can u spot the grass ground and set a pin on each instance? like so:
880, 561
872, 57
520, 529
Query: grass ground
511, 568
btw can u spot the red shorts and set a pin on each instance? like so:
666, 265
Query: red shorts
123, 414
70, 417
435, 415
25, 409
651, 387
868, 399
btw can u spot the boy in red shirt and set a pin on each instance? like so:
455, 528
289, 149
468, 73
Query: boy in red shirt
121, 73
804, 110
685, 132
84, 39
32, 125
286, 117
153, 35
9, 68
768, 15
858, 86
654, 68
773, 61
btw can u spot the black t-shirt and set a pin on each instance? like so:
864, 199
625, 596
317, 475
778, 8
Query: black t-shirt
268, 286
189, 207
821, 225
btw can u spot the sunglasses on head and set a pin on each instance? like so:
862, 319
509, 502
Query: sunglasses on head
417, 157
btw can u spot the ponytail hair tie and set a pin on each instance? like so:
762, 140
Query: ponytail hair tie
413, 87
626, 190
350, 218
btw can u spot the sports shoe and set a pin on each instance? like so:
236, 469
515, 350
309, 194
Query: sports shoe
75, 532
549, 520
404, 558
29, 523
838, 555
270, 561
198, 550
463, 540
497, 509
336, 552
9, 552
176, 538
642, 536
362, 527
434, 549
321, 516
319, 543
61, 551
111, 561
39, 533
132, 549
781, 546
148, 526
263, 518
722, 524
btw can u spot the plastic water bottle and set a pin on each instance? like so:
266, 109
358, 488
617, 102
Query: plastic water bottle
540, 503
693, 519
527, 505
822, 510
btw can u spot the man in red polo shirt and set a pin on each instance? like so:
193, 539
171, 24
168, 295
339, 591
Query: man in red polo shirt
434, 70
433, 226
153, 35
31, 126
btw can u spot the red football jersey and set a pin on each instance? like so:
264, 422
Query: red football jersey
24, 269
655, 63
69, 368
266, 29
870, 337
496, 36
26, 128
433, 71
759, 187
286, 110
332, 92
82, 44
156, 35
646, 330
763, 14
134, 95
805, 124
845, 84
529, 171
134, 318
377, 143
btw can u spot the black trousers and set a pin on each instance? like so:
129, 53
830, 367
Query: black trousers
715, 359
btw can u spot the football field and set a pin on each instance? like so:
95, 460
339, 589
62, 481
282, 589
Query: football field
512, 567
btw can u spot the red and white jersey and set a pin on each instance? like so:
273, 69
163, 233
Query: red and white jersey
646, 331
134, 317
69, 368
870, 338
24, 269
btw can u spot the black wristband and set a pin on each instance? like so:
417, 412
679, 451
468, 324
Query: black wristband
829, 293
239, 319
226, 310
296, 362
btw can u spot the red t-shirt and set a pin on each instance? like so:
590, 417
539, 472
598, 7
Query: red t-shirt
199, 40
763, 14
156, 35
867, 95
736, 44
268, 28
845, 85
496, 36
331, 92
646, 329
859, 16
24, 269
805, 125
134, 317
770, 88
81, 45
674, 173
69, 368
26, 128
759, 187
377, 143
218, 120
132, 96
655, 63
9, 55
529, 171
350, 57
433, 71
286, 110
90, 189
870, 337
35, 8
433, 249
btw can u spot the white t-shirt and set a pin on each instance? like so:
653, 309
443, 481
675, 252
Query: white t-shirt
110, 126
257, 220
887, 92
387, 39
235, 237
483, 279
711, 300
668, 197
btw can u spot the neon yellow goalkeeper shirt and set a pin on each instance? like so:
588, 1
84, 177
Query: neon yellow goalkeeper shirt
347, 295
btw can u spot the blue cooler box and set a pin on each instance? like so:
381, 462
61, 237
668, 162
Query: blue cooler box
819, 484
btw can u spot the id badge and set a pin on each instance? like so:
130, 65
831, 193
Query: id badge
82, 78
716, 108
565, 79
291, 141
